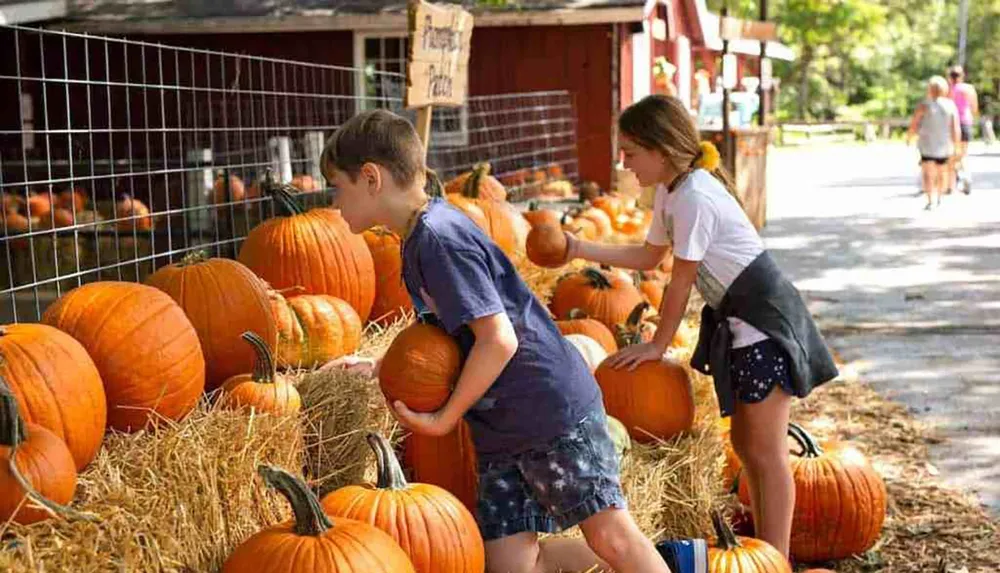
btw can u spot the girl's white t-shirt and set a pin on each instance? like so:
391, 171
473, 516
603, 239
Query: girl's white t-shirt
705, 223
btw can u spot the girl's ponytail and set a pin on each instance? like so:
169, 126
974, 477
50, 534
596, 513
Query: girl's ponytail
709, 159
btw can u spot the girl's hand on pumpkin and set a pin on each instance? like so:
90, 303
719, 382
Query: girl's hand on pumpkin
428, 424
631, 357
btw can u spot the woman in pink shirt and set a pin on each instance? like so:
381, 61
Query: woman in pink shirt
967, 102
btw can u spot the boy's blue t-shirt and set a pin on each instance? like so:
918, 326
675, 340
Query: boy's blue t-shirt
546, 388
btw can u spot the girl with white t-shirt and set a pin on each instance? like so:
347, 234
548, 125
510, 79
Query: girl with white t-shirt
757, 339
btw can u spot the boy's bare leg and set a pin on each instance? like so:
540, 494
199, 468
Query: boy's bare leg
614, 535
523, 553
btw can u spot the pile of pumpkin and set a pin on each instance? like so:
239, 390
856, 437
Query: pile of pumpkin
122, 355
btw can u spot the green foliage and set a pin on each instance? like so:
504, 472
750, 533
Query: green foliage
872, 58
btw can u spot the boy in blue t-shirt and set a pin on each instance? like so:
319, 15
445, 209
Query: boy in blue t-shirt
535, 412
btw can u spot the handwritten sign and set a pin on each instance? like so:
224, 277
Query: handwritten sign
736, 29
438, 69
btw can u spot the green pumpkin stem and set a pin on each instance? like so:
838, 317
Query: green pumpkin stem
810, 447
631, 333
264, 369
283, 193
597, 279
310, 519
390, 475
726, 538
12, 434
194, 257
12, 431
433, 185
471, 188
577, 314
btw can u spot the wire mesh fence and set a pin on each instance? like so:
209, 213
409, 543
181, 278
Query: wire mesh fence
118, 157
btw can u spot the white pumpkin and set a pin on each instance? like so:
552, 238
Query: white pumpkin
521, 227
592, 351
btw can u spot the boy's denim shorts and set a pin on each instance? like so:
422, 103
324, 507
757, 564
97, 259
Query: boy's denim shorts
554, 486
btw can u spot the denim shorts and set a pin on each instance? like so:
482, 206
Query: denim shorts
757, 369
554, 486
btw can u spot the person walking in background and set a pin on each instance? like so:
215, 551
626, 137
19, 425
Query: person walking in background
967, 102
936, 124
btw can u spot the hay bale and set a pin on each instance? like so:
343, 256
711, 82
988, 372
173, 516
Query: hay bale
339, 409
177, 499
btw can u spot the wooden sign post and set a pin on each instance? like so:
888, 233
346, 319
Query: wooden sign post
437, 72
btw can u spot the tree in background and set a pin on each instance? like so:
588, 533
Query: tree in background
871, 58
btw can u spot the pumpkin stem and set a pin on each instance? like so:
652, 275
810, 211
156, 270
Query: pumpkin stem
597, 279
11, 425
479, 171
12, 434
631, 333
263, 365
390, 475
577, 314
310, 519
533, 205
810, 447
727, 539
194, 257
282, 193
434, 187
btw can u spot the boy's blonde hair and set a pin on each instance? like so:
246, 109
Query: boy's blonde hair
937, 86
375, 136
662, 123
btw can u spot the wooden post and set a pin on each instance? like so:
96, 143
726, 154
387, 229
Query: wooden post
762, 98
423, 126
727, 139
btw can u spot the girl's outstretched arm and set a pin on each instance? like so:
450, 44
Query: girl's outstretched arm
639, 257
675, 299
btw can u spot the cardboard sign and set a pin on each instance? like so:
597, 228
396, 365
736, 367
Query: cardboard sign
737, 29
438, 69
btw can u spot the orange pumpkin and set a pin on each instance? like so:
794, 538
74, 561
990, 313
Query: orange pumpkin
73, 200
547, 246
610, 204
133, 214
471, 209
742, 554
40, 459
314, 542
581, 227
39, 205
577, 322
57, 386
431, 525
313, 329
536, 216
144, 346
477, 184
222, 299
840, 500
235, 192
420, 367
602, 223
651, 284
391, 297
315, 250
305, 183
653, 401
555, 171
58, 218
447, 461
263, 390
16, 224
602, 295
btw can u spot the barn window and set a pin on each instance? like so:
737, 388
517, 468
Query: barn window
375, 53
